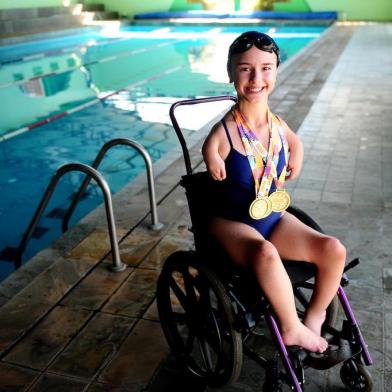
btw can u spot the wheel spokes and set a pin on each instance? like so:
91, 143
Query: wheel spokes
189, 282
178, 293
206, 354
195, 315
179, 317
209, 345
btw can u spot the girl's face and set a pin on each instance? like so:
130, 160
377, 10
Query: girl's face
254, 74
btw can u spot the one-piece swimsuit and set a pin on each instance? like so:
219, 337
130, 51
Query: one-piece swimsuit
239, 190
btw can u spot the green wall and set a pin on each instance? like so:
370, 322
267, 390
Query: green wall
380, 10
130, 8
356, 9
293, 6
7, 4
183, 5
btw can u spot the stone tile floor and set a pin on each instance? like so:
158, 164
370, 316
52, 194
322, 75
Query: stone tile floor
66, 323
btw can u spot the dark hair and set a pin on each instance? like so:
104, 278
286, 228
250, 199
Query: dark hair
248, 39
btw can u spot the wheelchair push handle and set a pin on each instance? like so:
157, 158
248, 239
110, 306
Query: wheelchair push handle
353, 263
185, 151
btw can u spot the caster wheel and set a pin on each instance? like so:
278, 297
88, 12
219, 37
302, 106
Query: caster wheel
272, 388
356, 377
272, 381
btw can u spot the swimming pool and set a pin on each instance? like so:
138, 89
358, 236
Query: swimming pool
63, 98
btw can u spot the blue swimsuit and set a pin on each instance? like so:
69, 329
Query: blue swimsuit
239, 191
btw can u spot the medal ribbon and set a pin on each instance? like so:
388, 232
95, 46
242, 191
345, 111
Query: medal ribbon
279, 182
261, 161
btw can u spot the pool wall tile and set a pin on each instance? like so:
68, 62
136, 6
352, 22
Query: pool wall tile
38, 298
92, 292
152, 312
96, 344
15, 378
52, 382
13, 321
135, 295
161, 252
138, 358
39, 347
99, 387
138, 244
94, 247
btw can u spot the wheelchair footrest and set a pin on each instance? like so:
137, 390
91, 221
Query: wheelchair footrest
339, 350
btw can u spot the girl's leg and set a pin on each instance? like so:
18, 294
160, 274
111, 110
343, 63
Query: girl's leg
326, 252
248, 248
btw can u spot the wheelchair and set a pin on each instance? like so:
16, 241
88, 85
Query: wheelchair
213, 312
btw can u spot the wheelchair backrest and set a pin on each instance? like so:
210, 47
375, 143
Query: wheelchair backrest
203, 195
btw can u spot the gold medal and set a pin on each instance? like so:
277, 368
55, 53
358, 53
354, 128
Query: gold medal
260, 208
280, 200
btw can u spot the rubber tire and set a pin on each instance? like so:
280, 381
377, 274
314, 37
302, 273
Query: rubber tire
182, 262
356, 377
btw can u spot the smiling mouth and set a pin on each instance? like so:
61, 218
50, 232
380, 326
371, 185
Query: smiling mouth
255, 90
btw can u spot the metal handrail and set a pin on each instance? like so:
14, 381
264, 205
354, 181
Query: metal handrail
117, 265
185, 151
155, 225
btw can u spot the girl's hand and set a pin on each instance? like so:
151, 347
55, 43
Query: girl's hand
216, 167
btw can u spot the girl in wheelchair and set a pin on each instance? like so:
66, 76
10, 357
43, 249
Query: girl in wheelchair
255, 151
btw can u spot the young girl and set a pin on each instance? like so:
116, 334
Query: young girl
255, 151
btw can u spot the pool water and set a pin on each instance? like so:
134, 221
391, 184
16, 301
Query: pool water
63, 98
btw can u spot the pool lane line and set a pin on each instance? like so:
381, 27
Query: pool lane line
56, 116
68, 49
75, 47
103, 60
55, 52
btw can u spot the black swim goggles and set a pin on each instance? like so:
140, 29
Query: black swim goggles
262, 41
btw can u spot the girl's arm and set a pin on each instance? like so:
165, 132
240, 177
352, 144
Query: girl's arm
212, 158
296, 151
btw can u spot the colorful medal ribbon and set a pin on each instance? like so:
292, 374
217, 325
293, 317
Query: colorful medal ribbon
280, 199
263, 165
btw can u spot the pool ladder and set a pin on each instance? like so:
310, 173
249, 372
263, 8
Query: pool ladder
92, 173
155, 225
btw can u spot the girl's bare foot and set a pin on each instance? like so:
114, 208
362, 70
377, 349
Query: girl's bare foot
314, 320
300, 335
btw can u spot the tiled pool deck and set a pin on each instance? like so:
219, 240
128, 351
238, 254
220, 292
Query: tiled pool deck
67, 323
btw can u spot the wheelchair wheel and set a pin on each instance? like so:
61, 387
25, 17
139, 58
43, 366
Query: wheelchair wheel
356, 377
198, 321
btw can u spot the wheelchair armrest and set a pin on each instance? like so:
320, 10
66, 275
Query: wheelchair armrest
353, 263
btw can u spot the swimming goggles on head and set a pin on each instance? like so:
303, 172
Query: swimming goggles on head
262, 41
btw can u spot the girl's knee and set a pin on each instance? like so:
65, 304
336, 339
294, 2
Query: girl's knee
264, 252
334, 250
336, 247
